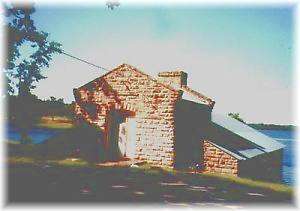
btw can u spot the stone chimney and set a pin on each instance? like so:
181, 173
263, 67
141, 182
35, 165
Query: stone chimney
173, 78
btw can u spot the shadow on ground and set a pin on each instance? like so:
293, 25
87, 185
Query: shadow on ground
43, 183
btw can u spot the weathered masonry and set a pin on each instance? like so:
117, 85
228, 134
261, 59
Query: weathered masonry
166, 123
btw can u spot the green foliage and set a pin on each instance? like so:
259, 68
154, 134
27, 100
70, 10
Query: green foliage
26, 114
34, 109
57, 107
262, 126
236, 116
23, 73
83, 141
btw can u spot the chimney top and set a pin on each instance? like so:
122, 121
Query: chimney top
175, 78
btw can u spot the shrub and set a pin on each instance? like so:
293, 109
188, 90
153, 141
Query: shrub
83, 141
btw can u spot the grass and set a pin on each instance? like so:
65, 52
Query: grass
218, 179
69, 162
22, 160
221, 178
277, 187
13, 142
29, 154
56, 122
63, 177
55, 125
252, 183
26, 164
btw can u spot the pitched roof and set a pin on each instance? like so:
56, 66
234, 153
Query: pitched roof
187, 92
260, 143
127, 66
192, 95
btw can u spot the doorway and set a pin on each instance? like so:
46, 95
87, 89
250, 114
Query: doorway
127, 138
121, 136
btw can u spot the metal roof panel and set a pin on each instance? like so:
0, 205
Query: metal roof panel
263, 142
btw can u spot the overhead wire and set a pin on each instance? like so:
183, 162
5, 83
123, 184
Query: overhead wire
83, 60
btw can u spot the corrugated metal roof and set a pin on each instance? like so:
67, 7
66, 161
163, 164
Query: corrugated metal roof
261, 143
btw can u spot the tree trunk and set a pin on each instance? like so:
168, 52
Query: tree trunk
25, 139
23, 113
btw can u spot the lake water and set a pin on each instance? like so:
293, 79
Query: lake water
38, 135
287, 138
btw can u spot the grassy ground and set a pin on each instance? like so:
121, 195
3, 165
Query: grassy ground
35, 178
31, 180
56, 122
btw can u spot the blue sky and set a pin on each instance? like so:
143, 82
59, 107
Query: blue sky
242, 57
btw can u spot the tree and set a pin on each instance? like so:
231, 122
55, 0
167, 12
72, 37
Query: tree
56, 107
237, 117
22, 74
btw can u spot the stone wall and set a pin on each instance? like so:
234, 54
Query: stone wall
218, 161
134, 93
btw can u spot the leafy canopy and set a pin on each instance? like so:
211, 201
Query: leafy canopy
23, 72
236, 116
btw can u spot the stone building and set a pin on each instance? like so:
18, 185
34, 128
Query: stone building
166, 123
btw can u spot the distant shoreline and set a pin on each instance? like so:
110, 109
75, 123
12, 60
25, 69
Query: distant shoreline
262, 126
62, 122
